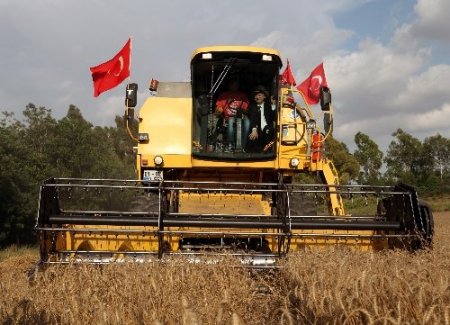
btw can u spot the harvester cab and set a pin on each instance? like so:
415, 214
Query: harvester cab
220, 171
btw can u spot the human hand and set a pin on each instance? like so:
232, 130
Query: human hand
253, 135
219, 111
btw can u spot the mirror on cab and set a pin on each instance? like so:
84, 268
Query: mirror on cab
325, 98
130, 101
131, 95
328, 123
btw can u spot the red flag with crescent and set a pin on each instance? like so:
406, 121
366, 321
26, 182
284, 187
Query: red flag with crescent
310, 87
111, 73
287, 77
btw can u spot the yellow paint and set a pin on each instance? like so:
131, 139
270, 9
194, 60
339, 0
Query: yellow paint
169, 124
234, 48
331, 178
237, 204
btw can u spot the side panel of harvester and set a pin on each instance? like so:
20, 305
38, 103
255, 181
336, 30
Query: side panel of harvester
168, 124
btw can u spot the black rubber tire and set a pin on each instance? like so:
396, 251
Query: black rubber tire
428, 221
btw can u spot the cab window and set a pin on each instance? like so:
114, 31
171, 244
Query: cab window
235, 114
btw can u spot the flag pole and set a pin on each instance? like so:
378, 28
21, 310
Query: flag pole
131, 55
127, 122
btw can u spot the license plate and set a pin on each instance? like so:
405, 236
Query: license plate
153, 175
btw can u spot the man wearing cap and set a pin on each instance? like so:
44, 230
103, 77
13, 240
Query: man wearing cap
262, 119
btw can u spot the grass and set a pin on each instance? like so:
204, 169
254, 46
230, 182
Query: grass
333, 286
18, 251
439, 203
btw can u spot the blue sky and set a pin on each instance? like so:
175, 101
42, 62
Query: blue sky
387, 62
376, 19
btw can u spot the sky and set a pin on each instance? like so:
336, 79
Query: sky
387, 62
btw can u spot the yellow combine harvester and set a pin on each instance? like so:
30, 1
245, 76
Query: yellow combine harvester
204, 188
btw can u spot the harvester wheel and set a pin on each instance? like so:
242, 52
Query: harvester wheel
424, 228
428, 224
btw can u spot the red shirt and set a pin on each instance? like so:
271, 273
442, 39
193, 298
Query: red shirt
230, 101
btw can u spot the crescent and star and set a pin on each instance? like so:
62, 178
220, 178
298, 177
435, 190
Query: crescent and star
120, 70
319, 82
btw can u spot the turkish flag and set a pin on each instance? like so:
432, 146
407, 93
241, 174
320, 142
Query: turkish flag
111, 73
310, 87
287, 77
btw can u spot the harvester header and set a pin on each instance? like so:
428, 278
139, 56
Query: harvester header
231, 162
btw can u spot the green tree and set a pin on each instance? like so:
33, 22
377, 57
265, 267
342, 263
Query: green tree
16, 184
81, 150
41, 147
370, 159
437, 150
345, 163
405, 160
39, 134
112, 162
123, 144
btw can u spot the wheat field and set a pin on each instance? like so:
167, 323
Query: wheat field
313, 287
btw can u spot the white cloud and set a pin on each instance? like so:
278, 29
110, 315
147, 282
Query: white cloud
431, 120
377, 87
367, 80
426, 90
432, 23
341, 5
109, 107
433, 19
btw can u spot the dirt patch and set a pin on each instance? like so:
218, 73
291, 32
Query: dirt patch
441, 215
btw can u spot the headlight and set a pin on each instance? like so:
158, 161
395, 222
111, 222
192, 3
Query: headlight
294, 162
158, 160
206, 56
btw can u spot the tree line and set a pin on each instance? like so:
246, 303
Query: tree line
38, 146
422, 164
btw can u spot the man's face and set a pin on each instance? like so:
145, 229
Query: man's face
259, 98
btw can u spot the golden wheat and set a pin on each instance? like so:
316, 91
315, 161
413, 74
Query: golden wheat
333, 286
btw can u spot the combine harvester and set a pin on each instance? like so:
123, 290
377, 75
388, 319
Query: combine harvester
194, 196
